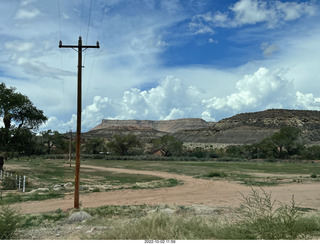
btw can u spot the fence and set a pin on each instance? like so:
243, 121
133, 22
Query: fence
10, 181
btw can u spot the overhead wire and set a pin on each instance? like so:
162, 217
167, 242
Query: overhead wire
81, 18
61, 61
96, 53
86, 40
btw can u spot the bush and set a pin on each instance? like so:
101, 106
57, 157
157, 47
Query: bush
160, 226
9, 183
313, 176
215, 174
260, 219
9, 222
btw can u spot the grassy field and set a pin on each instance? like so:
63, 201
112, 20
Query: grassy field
42, 172
256, 218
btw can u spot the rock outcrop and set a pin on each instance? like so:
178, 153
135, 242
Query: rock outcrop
248, 128
245, 128
168, 126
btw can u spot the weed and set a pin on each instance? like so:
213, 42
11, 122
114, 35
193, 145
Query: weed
9, 222
160, 226
313, 176
215, 174
260, 219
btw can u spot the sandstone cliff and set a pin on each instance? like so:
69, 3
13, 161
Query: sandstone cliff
168, 126
248, 128
245, 128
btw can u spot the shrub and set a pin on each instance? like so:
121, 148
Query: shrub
9, 183
215, 174
160, 226
9, 222
313, 176
260, 219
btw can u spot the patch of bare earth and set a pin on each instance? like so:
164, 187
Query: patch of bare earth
217, 193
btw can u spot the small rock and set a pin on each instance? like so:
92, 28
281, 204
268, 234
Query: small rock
43, 189
57, 235
79, 217
57, 187
92, 230
68, 185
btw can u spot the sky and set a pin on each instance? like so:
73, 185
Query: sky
161, 59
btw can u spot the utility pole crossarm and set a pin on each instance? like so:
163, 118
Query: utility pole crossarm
80, 48
77, 46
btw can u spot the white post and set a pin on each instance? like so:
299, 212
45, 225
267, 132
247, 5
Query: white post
24, 184
19, 181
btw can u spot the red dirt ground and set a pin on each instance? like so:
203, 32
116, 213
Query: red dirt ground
215, 193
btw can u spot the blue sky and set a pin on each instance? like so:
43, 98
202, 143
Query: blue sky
165, 59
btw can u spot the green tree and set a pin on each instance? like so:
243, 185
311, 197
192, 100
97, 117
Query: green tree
20, 117
123, 144
168, 144
94, 146
287, 141
52, 139
267, 149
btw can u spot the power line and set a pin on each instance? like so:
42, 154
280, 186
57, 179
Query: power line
96, 53
59, 11
81, 17
61, 61
89, 22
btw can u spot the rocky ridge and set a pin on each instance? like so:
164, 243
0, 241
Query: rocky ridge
244, 128
168, 126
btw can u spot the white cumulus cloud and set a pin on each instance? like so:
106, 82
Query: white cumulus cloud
250, 12
172, 99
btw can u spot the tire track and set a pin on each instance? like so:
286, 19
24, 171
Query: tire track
214, 193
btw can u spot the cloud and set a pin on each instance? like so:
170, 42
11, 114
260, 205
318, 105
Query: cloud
172, 99
269, 49
27, 14
199, 25
307, 101
250, 12
41, 69
27, 2
19, 46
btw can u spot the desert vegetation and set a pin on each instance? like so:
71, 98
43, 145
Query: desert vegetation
259, 216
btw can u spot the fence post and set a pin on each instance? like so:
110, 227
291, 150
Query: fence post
19, 181
24, 184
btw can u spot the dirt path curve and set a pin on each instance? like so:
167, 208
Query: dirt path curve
192, 192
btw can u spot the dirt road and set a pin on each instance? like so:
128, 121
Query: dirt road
215, 193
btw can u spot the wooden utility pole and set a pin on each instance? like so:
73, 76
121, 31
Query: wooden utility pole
70, 147
79, 48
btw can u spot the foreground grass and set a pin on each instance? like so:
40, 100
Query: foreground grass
258, 217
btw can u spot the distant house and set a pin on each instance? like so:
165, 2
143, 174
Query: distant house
160, 152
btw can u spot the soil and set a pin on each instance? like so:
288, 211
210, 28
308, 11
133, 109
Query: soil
212, 193
205, 196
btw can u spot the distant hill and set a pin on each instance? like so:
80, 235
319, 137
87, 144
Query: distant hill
244, 128
168, 126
